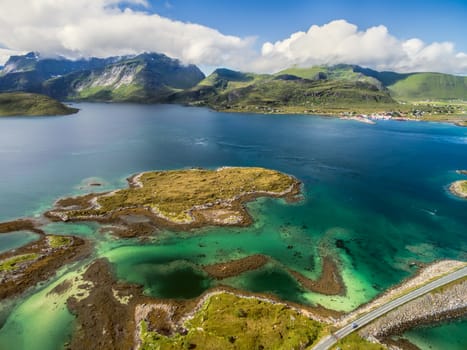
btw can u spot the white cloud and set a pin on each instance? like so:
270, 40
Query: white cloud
114, 27
6, 53
342, 42
101, 28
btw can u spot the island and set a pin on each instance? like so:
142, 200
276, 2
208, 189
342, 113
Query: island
459, 188
179, 199
30, 104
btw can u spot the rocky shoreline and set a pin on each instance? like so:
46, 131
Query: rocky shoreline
422, 277
24, 267
447, 303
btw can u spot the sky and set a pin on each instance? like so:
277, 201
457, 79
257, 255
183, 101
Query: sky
258, 36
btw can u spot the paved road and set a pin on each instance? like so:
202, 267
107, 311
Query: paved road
329, 341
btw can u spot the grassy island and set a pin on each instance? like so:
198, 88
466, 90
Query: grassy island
193, 197
28, 104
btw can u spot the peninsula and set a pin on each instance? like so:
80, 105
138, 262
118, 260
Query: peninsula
29, 104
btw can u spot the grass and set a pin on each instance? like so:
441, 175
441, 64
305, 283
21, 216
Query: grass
173, 193
307, 95
109, 93
28, 104
58, 241
337, 72
11, 263
231, 322
356, 342
430, 86
225, 80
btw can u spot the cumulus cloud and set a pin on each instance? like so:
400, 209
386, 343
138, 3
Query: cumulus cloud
111, 27
83, 28
342, 42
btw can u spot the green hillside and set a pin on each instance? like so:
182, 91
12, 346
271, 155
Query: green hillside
285, 92
278, 92
28, 104
226, 79
338, 72
435, 86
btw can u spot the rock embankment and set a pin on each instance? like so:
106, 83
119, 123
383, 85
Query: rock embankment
445, 303
423, 276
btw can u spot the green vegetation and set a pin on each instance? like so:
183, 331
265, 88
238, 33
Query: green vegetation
340, 89
355, 342
341, 72
174, 193
27, 104
287, 93
58, 241
226, 321
436, 86
12, 263
305, 94
130, 92
226, 80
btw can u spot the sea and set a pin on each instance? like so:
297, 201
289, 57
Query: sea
375, 197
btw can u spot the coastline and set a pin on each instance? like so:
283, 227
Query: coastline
421, 277
340, 114
26, 266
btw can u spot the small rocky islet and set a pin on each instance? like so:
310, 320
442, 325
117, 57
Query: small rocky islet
459, 187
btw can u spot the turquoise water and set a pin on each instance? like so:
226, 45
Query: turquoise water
16, 239
452, 336
375, 196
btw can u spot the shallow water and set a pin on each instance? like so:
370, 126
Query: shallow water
375, 195
16, 239
448, 336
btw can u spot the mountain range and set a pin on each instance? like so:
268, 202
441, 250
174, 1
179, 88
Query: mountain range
152, 77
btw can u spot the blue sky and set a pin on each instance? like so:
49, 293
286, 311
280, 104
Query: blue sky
258, 36
273, 20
